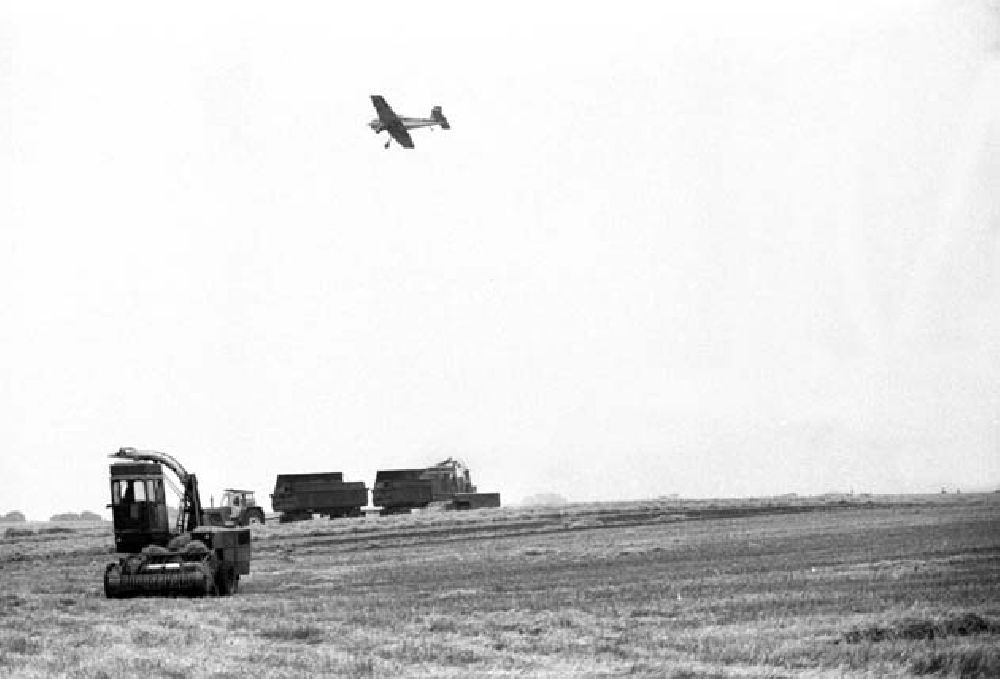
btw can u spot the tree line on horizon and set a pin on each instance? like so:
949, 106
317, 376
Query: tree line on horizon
18, 517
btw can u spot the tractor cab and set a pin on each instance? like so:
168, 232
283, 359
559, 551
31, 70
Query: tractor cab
237, 500
138, 506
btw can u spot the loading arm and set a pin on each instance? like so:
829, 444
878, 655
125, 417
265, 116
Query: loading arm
190, 516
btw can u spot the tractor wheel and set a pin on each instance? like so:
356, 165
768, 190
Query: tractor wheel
255, 518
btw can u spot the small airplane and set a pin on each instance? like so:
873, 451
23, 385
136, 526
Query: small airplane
397, 126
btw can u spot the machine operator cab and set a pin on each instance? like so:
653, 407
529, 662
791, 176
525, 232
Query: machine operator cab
138, 506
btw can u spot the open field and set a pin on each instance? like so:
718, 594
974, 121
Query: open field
880, 586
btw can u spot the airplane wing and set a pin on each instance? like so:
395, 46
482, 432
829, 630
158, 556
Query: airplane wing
385, 112
401, 136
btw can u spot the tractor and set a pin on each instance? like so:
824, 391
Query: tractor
238, 507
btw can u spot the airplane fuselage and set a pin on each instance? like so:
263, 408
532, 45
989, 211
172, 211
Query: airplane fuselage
405, 123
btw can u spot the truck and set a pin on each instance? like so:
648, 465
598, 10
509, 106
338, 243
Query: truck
447, 483
298, 496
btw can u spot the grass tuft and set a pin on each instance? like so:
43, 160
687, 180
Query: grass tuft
443, 624
308, 634
918, 630
20, 645
9, 601
18, 533
965, 662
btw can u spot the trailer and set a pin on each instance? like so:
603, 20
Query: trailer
298, 496
448, 483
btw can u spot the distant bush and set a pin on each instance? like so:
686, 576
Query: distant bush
71, 516
68, 516
12, 516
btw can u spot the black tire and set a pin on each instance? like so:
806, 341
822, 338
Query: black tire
288, 517
226, 579
253, 517
110, 590
211, 585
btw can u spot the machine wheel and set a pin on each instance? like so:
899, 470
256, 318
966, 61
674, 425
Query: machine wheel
255, 518
210, 583
227, 581
111, 589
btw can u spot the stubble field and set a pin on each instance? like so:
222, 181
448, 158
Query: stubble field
880, 586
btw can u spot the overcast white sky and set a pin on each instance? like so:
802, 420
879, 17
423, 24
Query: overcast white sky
712, 249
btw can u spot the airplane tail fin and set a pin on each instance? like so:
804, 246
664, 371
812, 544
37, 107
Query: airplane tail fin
439, 117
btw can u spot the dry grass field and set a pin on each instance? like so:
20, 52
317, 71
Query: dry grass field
791, 587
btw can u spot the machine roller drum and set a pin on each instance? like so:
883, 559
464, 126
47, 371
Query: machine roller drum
163, 575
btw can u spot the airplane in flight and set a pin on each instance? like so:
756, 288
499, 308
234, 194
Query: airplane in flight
397, 126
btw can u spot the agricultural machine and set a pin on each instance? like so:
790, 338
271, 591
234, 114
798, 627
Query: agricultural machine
194, 557
398, 491
299, 496
238, 507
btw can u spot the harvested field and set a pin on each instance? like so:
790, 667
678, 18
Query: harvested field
879, 586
